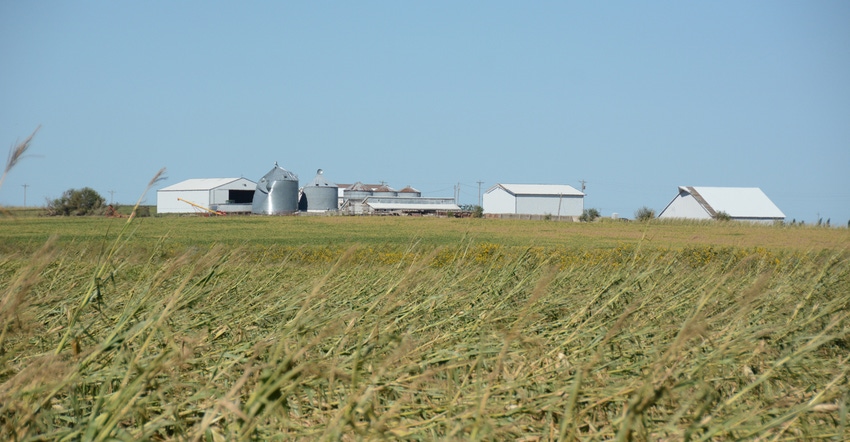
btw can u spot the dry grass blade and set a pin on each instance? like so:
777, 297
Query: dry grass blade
16, 153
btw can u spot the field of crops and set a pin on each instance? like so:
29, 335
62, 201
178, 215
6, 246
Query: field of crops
344, 328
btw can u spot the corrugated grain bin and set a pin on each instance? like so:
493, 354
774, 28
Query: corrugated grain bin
357, 192
409, 192
276, 193
319, 194
354, 196
384, 190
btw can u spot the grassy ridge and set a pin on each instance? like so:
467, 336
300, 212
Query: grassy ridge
350, 328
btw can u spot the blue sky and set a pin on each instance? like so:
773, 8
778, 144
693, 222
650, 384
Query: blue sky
635, 98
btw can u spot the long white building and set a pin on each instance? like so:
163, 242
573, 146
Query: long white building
533, 199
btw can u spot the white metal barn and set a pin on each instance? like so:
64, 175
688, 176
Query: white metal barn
740, 203
534, 199
223, 194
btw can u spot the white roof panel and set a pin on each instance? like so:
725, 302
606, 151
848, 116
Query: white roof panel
203, 183
540, 189
412, 206
739, 202
410, 203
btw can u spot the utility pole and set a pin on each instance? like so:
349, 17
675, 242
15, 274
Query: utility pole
25, 193
479, 193
560, 198
583, 187
111, 193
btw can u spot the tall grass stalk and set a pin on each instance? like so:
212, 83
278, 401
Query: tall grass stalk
94, 291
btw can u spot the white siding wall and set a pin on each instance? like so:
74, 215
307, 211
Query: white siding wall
572, 206
166, 201
499, 201
548, 205
685, 207
220, 196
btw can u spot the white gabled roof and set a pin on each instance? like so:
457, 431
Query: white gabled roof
538, 189
203, 183
738, 202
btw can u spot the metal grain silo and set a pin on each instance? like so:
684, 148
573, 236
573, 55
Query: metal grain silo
354, 196
409, 192
276, 193
319, 195
384, 190
357, 192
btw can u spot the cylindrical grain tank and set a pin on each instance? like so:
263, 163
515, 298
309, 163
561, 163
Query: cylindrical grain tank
384, 190
319, 195
276, 193
409, 192
354, 196
357, 192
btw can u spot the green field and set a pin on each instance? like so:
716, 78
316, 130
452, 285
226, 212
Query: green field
362, 328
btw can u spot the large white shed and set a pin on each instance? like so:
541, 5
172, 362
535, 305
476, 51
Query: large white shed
740, 203
534, 199
211, 193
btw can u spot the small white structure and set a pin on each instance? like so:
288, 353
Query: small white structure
533, 199
218, 194
740, 203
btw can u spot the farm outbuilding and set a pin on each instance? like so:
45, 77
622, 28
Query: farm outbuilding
533, 199
219, 194
407, 205
740, 203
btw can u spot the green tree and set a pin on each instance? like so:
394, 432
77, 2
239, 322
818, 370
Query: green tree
77, 202
473, 210
722, 216
644, 214
589, 215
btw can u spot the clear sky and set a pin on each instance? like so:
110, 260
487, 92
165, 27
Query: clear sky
635, 98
